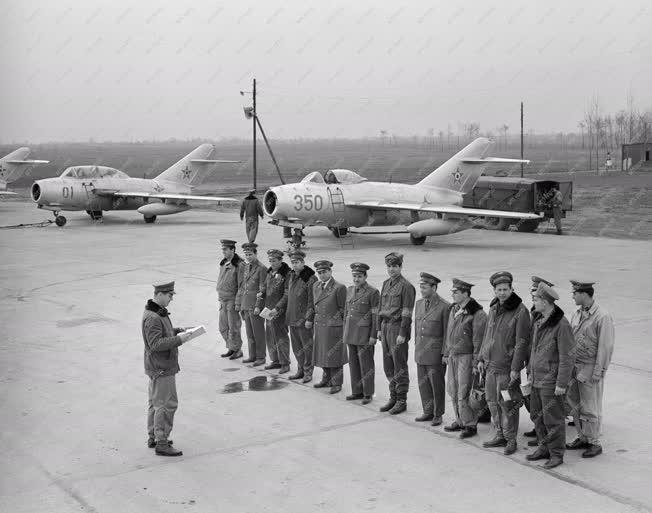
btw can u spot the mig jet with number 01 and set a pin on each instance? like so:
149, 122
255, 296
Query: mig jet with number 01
96, 189
14, 166
342, 199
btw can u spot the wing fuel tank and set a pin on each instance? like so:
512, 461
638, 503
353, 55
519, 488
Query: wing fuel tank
438, 227
162, 209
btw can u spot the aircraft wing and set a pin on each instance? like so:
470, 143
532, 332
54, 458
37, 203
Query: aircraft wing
165, 196
490, 160
30, 162
443, 209
7, 193
209, 161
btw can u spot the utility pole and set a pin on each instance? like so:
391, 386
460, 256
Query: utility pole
254, 125
521, 139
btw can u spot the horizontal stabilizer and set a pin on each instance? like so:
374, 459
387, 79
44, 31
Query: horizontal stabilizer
494, 160
30, 162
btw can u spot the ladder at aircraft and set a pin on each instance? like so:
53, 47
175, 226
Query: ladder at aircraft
341, 227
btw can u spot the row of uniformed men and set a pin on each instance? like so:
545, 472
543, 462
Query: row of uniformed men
566, 362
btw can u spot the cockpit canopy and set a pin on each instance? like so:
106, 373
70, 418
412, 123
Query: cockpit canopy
334, 176
93, 172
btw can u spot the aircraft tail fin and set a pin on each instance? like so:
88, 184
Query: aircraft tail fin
191, 169
15, 165
461, 172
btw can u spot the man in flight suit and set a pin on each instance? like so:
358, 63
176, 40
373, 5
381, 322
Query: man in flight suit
228, 283
360, 329
395, 320
431, 321
250, 209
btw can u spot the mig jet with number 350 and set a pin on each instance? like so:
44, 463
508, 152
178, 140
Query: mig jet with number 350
342, 199
96, 189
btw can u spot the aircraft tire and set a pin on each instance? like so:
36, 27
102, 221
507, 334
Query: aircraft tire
527, 225
60, 221
95, 214
149, 219
417, 241
496, 223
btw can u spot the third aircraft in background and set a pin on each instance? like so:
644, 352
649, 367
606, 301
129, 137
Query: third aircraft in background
342, 199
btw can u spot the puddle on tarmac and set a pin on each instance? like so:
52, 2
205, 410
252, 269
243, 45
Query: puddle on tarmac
257, 384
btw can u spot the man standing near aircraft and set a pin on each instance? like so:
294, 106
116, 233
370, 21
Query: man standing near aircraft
297, 301
276, 330
360, 331
250, 209
395, 326
431, 321
249, 302
329, 298
466, 325
594, 333
503, 355
162, 343
228, 283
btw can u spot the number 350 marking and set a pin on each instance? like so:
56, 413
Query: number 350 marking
308, 202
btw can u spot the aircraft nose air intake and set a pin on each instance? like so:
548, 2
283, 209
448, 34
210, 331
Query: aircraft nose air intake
36, 191
270, 203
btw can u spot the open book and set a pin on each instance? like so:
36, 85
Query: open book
196, 331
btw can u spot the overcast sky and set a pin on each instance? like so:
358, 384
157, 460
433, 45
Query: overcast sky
117, 70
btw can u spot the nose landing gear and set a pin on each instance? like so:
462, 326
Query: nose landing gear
59, 220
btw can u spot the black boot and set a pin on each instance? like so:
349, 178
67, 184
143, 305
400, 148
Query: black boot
236, 355
298, 375
399, 407
163, 448
531, 434
388, 405
426, 417
578, 443
227, 354
469, 431
592, 451
540, 454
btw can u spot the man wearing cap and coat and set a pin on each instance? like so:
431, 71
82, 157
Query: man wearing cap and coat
276, 330
593, 329
250, 209
228, 283
297, 301
551, 363
395, 327
329, 352
431, 322
250, 300
360, 329
503, 354
161, 365
466, 325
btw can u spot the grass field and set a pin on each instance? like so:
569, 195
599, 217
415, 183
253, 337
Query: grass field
613, 205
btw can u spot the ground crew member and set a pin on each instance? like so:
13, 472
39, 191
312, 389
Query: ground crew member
249, 302
161, 364
551, 363
228, 283
503, 354
556, 203
395, 319
329, 299
251, 208
431, 321
466, 325
593, 329
276, 330
360, 331
299, 309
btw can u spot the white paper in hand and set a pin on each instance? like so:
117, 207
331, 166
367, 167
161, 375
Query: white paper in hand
266, 314
195, 332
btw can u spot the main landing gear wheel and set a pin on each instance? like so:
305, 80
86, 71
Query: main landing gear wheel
95, 214
496, 223
149, 219
417, 241
60, 220
527, 225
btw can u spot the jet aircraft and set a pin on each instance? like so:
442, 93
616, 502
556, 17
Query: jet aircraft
96, 189
14, 166
342, 199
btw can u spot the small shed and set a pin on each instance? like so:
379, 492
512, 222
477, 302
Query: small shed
636, 155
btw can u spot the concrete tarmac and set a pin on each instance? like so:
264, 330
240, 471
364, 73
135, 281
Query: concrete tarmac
74, 393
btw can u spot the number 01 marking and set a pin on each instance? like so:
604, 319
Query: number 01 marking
308, 202
67, 192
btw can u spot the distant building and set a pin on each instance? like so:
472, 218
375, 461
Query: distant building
636, 155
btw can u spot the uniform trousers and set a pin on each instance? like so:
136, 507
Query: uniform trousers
432, 388
161, 405
549, 416
278, 343
504, 415
395, 360
255, 328
301, 338
362, 369
459, 388
585, 400
230, 325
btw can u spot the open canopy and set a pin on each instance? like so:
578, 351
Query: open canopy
334, 176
